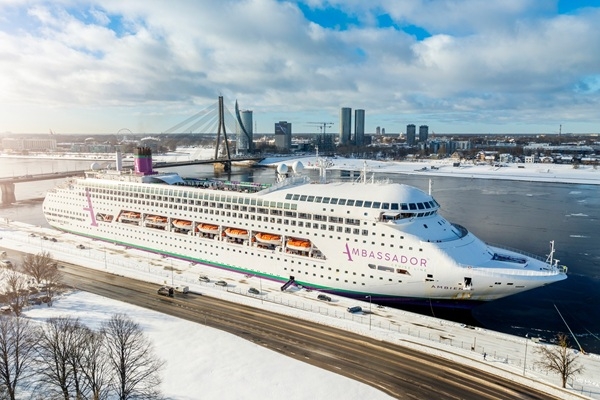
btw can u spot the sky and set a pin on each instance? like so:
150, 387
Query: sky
499, 66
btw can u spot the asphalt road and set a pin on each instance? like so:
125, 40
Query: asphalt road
401, 372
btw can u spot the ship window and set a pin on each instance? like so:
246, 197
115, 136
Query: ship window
318, 199
303, 197
350, 203
427, 205
310, 198
420, 206
289, 196
333, 201
358, 203
295, 197
326, 200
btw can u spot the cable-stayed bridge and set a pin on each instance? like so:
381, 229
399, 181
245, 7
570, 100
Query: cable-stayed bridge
217, 120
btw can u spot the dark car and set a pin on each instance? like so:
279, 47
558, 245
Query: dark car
324, 297
253, 291
53, 240
80, 246
354, 309
203, 278
166, 291
221, 283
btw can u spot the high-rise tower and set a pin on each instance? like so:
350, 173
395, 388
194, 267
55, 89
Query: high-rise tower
345, 125
411, 131
359, 127
245, 143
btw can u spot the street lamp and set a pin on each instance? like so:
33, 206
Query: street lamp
525, 360
369, 311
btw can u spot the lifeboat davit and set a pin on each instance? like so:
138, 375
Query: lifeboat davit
299, 244
182, 224
268, 238
208, 228
236, 233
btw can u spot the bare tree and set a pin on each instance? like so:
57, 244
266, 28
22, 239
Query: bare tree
16, 291
131, 356
43, 269
560, 359
95, 365
36, 265
17, 344
58, 353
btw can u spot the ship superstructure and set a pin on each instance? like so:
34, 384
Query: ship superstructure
365, 238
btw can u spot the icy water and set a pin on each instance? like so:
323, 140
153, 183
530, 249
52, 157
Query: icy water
522, 215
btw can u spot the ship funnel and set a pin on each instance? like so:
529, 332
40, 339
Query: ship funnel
142, 158
119, 161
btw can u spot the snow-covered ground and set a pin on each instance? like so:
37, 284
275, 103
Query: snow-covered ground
561, 173
214, 364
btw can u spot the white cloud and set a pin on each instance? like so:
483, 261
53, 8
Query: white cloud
497, 60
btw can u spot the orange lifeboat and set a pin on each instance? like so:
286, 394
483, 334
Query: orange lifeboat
236, 233
299, 244
156, 220
182, 224
208, 228
130, 216
268, 238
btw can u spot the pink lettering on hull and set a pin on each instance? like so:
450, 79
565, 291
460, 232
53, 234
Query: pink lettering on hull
354, 252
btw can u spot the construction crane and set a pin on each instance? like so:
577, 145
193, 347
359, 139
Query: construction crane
322, 125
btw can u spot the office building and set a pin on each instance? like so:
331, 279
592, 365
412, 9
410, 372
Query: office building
245, 142
283, 135
359, 127
423, 133
345, 125
411, 131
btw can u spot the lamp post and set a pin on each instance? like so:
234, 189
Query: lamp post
369, 311
525, 360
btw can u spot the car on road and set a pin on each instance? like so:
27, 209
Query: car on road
53, 240
221, 283
355, 309
166, 291
253, 291
203, 278
80, 246
324, 297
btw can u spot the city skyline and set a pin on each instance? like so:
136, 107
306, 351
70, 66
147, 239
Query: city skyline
528, 67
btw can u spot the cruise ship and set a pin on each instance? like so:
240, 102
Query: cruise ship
361, 239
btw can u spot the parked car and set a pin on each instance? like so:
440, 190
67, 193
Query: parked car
324, 297
80, 246
355, 309
221, 283
203, 278
53, 240
253, 291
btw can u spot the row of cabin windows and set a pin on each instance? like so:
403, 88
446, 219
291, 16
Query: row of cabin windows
363, 203
185, 197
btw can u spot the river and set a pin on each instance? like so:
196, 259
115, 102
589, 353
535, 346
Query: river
523, 215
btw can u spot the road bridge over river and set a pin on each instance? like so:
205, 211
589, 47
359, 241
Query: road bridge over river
7, 185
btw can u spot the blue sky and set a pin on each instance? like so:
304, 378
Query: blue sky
498, 66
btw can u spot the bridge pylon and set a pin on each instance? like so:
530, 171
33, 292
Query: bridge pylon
224, 165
